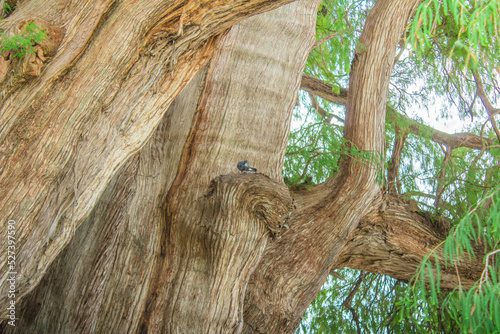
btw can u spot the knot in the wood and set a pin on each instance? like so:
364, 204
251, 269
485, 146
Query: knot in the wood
265, 200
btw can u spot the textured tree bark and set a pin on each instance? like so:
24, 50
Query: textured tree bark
97, 100
393, 184
393, 242
327, 216
243, 113
167, 249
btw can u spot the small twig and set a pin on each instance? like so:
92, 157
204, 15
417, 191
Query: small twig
320, 111
327, 38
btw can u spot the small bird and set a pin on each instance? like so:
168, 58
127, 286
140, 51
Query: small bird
243, 166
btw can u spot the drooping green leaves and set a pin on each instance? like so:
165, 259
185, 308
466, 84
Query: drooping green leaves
313, 149
341, 22
431, 81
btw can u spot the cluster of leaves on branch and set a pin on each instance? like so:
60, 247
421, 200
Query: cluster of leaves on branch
314, 151
18, 45
445, 36
468, 30
339, 25
448, 63
310, 151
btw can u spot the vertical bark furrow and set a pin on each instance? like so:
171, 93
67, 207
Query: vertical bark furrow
239, 117
136, 215
393, 184
180, 241
217, 246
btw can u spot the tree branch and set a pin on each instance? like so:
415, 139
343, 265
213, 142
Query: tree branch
347, 301
325, 91
327, 38
393, 170
482, 95
442, 175
320, 111
492, 111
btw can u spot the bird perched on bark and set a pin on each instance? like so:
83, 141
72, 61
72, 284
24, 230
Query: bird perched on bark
244, 167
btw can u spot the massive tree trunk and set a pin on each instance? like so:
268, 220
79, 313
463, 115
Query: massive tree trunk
171, 238
110, 70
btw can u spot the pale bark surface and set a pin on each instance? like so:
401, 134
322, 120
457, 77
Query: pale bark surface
244, 113
293, 269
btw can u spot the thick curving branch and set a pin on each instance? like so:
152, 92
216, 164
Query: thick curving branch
490, 109
393, 240
393, 182
327, 215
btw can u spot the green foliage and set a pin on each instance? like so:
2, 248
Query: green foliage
342, 21
384, 305
470, 28
20, 44
478, 309
315, 149
375, 305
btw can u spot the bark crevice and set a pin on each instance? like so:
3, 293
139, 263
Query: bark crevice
214, 244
